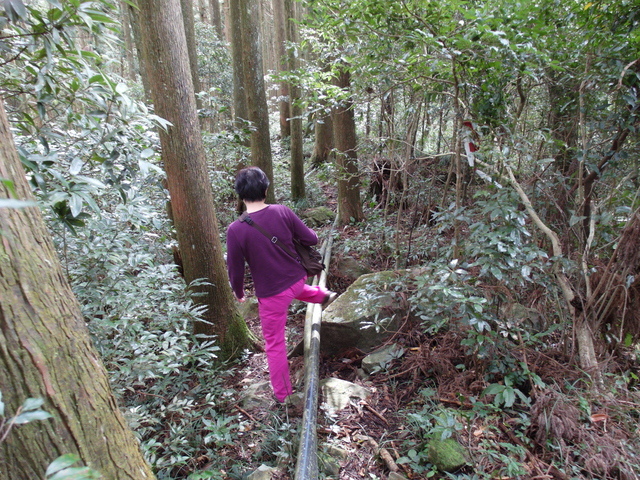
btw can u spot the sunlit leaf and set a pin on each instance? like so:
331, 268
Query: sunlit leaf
61, 463
76, 166
27, 417
75, 204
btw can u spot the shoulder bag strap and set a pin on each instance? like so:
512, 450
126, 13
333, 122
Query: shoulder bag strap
275, 240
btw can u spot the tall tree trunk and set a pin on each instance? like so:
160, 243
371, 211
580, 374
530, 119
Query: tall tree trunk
46, 352
297, 159
202, 11
344, 134
134, 17
187, 176
240, 111
255, 92
129, 62
323, 144
190, 33
216, 17
280, 26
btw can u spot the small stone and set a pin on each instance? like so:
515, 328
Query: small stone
263, 473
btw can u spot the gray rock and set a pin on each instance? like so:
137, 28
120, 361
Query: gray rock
380, 359
365, 315
337, 394
396, 476
263, 473
350, 268
316, 217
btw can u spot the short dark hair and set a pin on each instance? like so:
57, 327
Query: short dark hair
251, 184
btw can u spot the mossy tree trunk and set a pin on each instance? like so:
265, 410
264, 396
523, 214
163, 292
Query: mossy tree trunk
184, 159
46, 352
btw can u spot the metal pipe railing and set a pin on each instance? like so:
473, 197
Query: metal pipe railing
307, 463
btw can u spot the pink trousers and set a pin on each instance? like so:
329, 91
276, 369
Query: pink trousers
273, 317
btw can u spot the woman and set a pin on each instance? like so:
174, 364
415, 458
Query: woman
277, 277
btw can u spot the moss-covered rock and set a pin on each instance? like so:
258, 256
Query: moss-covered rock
317, 217
447, 455
365, 315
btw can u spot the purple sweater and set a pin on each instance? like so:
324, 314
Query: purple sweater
272, 269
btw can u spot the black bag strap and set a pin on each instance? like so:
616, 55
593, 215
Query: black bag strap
275, 240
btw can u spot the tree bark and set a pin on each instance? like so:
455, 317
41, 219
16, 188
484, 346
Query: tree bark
216, 17
129, 64
280, 26
240, 112
46, 352
344, 133
295, 111
134, 16
202, 11
187, 176
323, 144
190, 33
255, 91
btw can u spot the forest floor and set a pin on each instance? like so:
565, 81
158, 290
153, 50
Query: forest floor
559, 428
375, 433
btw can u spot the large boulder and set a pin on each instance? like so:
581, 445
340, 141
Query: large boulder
350, 268
366, 314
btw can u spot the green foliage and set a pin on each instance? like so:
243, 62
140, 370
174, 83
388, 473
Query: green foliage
505, 393
78, 130
140, 316
444, 295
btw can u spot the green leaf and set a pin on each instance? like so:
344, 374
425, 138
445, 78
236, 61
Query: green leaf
575, 219
15, 10
76, 166
62, 462
147, 153
146, 167
91, 181
32, 404
493, 389
509, 396
75, 204
31, 416
121, 88
79, 473
1, 406
10, 203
